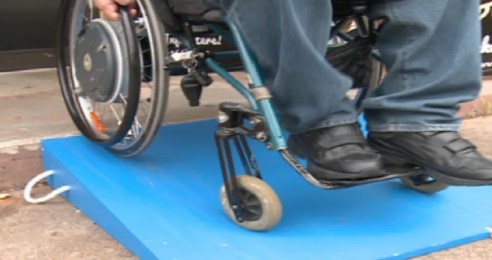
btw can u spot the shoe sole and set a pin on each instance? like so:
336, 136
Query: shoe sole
391, 157
318, 171
455, 181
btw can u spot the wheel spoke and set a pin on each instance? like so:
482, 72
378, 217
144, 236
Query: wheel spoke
147, 77
91, 9
254, 211
115, 114
252, 203
250, 197
103, 120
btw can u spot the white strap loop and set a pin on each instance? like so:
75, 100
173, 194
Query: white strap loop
34, 181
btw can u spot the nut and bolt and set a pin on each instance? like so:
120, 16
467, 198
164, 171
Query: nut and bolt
261, 136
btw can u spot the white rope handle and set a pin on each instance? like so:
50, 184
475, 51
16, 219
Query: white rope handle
27, 191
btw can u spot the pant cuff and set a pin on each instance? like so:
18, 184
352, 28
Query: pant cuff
412, 128
329, 123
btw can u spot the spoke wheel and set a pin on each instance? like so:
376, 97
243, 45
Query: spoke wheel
355, 57
423, 183
261, 209
112, 74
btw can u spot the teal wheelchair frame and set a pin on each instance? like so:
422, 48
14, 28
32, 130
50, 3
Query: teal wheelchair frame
243, 197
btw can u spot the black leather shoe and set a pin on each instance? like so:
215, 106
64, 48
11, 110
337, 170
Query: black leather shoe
446, 156
337, 153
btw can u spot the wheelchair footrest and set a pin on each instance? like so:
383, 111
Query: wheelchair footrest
392, 173
340, 183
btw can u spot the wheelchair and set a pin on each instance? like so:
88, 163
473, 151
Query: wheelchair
114, 77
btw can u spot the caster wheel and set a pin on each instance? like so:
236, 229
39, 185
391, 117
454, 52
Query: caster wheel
423, 183
262, 208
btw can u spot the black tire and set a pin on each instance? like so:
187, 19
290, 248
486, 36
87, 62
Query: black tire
374, 79
154, 72
133, 119
423, 183
354, 56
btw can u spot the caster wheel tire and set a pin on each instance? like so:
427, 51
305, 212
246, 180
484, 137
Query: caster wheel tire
262, 207
423, 183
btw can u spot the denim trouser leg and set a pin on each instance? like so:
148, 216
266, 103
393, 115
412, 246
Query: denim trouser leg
430, 48
289, 39
431, 51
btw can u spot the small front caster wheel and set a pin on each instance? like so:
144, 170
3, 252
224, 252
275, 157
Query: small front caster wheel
423, 183
262, 209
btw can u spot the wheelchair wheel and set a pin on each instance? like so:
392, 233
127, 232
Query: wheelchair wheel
423, 183
112, 74
354, 56
262, 208
375, 77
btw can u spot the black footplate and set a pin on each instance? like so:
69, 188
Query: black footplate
340, 183
392, 173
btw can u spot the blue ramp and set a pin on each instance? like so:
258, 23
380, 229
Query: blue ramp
164, 204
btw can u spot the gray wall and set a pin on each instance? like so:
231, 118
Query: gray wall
486, 50
27, 33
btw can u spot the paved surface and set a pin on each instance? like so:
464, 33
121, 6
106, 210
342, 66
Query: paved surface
31, 108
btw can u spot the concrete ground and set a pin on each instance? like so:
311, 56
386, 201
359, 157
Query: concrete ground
31, 108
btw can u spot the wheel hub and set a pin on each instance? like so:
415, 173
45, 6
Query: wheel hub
97, 55
252, 210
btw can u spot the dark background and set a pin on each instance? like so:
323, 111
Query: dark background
487, 30
27, 34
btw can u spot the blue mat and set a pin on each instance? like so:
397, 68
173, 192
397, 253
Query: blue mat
165, 204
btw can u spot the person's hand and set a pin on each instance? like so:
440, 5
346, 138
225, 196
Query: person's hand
109, 8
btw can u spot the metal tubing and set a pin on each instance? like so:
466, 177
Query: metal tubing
224, 55
277, 141
243, 90
242, 156
250, 156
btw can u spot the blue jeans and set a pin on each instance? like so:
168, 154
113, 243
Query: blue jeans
430, 50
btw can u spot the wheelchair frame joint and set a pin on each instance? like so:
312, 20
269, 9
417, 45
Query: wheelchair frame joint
242, 121
261, 93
